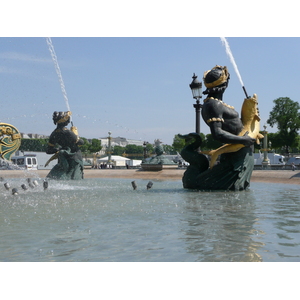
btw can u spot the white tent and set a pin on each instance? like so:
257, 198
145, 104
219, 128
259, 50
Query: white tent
115, 159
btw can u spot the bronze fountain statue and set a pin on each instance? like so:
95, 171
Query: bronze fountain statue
159, 161
234, 170
65, 144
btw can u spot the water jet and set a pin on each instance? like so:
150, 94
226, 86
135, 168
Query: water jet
232, 60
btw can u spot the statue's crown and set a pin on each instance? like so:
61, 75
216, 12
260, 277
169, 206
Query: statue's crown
61, 117
216, 76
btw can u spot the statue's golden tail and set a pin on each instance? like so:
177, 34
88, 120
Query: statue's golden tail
54, 156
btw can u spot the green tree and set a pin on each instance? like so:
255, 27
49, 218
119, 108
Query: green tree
204, 141
297, 145
178, 143
90, 147
134, 149
285, 115
34, 145
85, 147
211, 143
275, 141
149, 149
118, 150
95, 146
40, 145
169, 149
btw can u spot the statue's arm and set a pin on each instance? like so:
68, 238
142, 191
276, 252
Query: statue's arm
228, 138
51, 149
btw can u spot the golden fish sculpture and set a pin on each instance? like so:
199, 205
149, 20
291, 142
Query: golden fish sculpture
250, 119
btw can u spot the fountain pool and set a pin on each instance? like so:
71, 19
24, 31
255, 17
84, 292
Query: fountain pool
105, 220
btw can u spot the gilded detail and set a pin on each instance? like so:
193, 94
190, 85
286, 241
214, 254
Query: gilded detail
65, 118
250, 119
223, 77
10, 140
215, 120
211, 98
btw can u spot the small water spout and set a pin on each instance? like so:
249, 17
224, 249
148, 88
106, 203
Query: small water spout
24, 187
149, 185
30, 183
45, 184
14, 191
133, 185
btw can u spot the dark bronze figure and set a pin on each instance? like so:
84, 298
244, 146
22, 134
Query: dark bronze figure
234, 170
65, 144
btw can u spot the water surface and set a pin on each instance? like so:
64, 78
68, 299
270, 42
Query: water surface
105, 220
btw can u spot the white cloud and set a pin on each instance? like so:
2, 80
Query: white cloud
23, 57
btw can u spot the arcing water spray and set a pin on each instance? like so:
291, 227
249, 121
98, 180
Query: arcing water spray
229, 53
58, 72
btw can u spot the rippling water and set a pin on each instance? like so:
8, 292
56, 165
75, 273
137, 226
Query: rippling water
106, 220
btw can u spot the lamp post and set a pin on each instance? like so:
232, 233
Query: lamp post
266, 160
196, 88
109, 148
145, 149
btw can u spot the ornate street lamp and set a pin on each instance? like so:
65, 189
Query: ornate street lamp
196, 88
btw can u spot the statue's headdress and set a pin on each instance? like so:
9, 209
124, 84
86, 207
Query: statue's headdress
216, 76
61, 117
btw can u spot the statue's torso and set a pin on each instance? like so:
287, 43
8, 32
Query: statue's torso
64, 137
215, 110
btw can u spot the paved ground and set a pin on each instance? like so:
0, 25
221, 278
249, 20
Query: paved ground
280, 176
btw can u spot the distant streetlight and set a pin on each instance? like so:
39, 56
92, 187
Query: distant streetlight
145, 149
266, 160
109, 148
196, 88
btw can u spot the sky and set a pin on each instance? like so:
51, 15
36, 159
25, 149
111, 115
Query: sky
136, 87
129, 73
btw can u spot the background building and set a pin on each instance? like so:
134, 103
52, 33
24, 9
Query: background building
117, 141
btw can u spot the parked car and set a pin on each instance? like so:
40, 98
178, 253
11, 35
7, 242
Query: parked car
27, 161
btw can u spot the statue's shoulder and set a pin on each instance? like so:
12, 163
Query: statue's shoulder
212, 110
212, 106
213, 102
